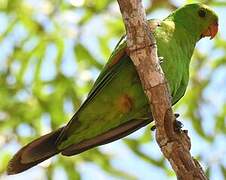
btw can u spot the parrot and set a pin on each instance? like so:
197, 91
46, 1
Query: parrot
116, 105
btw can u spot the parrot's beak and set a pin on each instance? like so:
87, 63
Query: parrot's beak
211, 31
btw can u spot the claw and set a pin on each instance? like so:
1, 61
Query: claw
161, 59
176, 115
177, 124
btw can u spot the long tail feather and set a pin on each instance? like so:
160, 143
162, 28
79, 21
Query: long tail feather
34, 153
46, 146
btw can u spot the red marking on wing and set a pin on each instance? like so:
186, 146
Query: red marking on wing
124, 103
117, 57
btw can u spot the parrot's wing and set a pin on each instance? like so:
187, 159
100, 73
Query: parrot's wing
105, 76
109, 71
118, 52
113, 62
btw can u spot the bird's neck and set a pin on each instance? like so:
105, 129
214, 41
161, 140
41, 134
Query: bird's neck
176, 37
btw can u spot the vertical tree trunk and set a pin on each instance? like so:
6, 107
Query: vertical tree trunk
141, 47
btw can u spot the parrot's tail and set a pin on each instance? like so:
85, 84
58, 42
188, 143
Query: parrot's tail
46, 146
34, 153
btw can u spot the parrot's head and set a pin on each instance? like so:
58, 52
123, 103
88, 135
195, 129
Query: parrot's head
198, 19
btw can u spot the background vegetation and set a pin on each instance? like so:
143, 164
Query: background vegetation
51, 51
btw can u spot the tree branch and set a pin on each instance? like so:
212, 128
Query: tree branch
142, 49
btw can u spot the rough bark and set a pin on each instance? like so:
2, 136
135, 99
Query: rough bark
141, 47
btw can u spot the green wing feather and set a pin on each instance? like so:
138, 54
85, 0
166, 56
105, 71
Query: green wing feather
119, 74
118, 63
118, 52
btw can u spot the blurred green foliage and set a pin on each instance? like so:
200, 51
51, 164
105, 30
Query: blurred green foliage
51, 51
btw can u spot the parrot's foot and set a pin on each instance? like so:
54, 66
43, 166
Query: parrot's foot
177, 115
161, 59
177, 124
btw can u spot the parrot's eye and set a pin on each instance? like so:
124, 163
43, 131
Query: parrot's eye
202, 13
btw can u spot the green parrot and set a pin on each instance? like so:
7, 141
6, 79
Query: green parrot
116, 105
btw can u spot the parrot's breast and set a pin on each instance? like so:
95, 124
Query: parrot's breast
175, 47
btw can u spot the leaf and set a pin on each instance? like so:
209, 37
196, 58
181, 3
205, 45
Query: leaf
83, 56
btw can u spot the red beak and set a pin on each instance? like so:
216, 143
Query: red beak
211, 31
